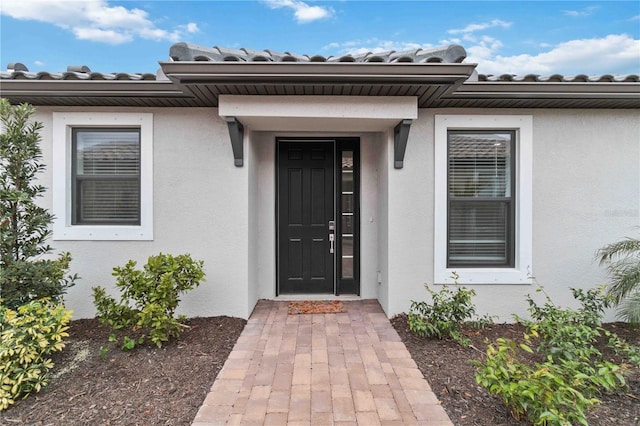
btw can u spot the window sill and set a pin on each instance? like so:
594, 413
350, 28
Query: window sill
101, 233
468, 276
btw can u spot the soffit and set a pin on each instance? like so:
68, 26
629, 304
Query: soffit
623, 92
77, 92
425, 81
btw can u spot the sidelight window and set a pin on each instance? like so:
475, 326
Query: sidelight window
348, 217
347, 229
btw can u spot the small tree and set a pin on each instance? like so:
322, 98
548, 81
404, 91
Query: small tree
623, 263
25, 226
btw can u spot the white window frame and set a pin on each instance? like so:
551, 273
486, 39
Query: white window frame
63, 123
522, 272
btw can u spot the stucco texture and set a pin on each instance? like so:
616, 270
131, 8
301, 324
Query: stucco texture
586, 174
586, 193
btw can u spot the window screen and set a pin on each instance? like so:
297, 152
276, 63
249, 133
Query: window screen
106, 176
481, 198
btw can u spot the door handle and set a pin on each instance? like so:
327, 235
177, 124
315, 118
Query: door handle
331, 239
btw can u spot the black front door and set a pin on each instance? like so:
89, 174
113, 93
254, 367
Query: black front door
305, 209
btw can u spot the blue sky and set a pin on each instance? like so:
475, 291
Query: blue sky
542, 37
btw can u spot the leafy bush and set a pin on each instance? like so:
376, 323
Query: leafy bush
149, 298
25, 226
444, 317
559, 390
27, 337
568, 333
22, 281
555, 392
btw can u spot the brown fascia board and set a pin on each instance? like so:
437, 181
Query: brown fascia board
93, 88
314, 72
547, 90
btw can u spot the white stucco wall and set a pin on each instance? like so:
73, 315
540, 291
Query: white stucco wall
200, 207
382, 164
586, 180
410, 218
265, 241
371, 147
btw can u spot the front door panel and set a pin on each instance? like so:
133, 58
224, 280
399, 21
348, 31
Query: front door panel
305, 207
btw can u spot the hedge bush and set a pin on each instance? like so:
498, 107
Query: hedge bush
149, 298
27, 336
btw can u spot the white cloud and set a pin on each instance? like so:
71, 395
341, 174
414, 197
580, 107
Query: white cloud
94, 20
303, 12
634, 18
38, 63
374, 45
471, 28
485, 49
579, 13
191, 28
613, 54
104, 36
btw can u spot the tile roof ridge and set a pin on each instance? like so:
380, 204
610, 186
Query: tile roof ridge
559, 78
187, 52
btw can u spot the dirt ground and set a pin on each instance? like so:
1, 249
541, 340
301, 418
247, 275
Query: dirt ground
150, 386
448, 368
146, 386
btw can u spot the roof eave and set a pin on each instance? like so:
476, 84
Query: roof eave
83, 88
149, 93
509, 94
608, 90
207, 80
312, 72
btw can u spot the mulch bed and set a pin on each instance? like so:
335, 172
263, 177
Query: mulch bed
448, 368
151, 386
316, 307
146, 386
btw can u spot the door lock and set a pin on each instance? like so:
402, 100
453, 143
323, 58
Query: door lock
332, 236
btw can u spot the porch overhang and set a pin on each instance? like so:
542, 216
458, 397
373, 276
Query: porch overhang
318, 113
321, 114
427, 82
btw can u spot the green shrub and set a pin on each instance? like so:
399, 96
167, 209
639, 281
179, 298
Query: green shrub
568, 333
24, 280
149, 298
27, 337
555, 392
559, 390
445, 315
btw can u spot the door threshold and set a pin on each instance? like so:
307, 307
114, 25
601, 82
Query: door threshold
315, 296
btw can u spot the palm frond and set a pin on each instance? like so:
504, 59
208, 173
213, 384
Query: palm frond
625, 279
628, 247
629, 310
623, 264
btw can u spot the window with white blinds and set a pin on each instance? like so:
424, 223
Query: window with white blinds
106, 176
480, 188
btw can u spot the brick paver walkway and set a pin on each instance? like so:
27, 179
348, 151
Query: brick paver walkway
334, 369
